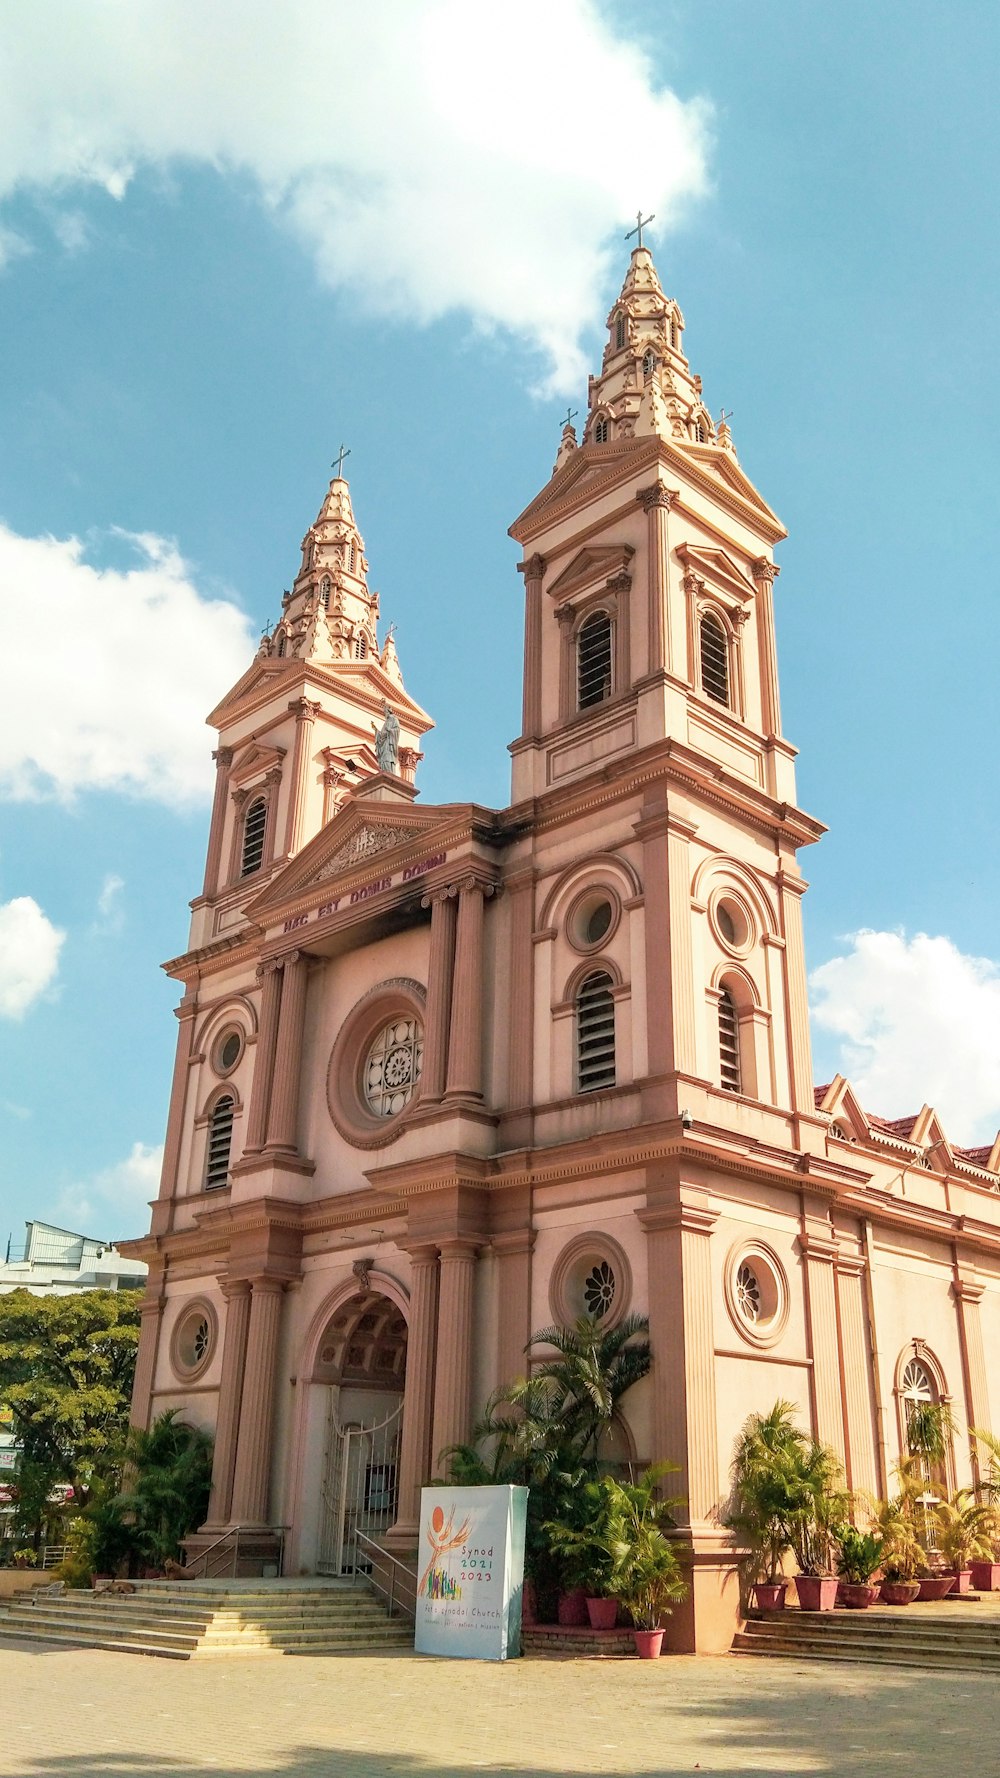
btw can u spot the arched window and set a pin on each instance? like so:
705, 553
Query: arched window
220, 1141
924, 1422
282, 644
699, 432
324, 591
360, 648
601, 432
254, 828
673, 334
593, 661
648, 364
730, 1075
619, 333
595, 1034
352, 556
714, 659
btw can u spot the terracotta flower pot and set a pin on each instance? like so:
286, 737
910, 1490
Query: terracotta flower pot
571, 1611
603, 1613
817, 1592
770, 1595
856, 1595
648, 1644
936, 1586
986, 1576
898, 1592
962, 1580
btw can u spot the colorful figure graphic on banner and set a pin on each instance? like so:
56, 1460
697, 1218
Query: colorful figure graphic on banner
442, 1537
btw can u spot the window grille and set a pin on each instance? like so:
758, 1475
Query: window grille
714, 659
673, 334
593, 661
352, 556
748, 1295
324, 592
393, 1065
729, 1044
699, 432
619, 333
281, 645
360, 648
220, 1140
254, 829
648, 364
595, 1034
601, 432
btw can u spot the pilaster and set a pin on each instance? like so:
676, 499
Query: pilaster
453, 1373
234, 1348
150, 1322
513, 1287
968, 1296
531, 715
656, 502
283, 1114
856, 1375
440, 973
223, 757
791, 890
298, 790
819, 1254
269, 975
421, 1343
765, 573
465, 1046
681, 1326
251, 1481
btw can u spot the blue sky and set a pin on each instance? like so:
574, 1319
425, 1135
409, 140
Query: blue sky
232, 239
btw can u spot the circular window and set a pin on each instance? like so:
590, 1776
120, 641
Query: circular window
392, 1067
732, 924
228, 1051
756, 1293
373, 1078
592, 918
194, 1340
591, 1277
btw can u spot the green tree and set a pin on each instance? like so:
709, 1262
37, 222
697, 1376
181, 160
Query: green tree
170, 1470
66, 1369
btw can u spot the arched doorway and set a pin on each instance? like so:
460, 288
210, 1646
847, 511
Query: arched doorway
361, 1361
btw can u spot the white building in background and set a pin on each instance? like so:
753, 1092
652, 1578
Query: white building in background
55, 1262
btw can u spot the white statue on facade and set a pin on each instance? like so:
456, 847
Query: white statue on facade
387, 742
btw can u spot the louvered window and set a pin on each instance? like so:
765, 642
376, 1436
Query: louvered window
619, 333
254, 828
220, 1139
601, 432
714, 659
324, 592
595, 1034
360, 648
281, 646
648, 364
352, 556
729, 1044
593, 661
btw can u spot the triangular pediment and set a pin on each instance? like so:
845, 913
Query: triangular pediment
253, 760
928, 1133
716, 567
844, 1108
364, 836
590, 565
591, 467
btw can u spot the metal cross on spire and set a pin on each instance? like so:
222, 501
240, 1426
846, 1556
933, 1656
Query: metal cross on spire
571, 413
338, 462
641, 222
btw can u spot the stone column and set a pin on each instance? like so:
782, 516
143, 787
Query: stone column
765, 573
856, 1374
151, 1320
520, 1037
272, 787
683, 1343
513, 1255
239, 800
822, 1332
791, 890
234, 1349
169, 1172
269, 975
669, 967
421, 1340
465, 1045
283, 1115
305, 715
453, 1372
531, 715
223, 760
440, 970
656, 502
968, 1296
251, 1482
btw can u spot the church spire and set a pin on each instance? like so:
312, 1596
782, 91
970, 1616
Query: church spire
330, 615
646, 386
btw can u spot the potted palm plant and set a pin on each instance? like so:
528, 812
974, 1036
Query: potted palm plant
966, 1532
986, 1571
820, 1509
896, 1522
586, 1554
860, 1554
647, 1576
759, 1505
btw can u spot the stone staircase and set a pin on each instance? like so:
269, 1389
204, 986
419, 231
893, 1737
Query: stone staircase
897, 1637
182, 1619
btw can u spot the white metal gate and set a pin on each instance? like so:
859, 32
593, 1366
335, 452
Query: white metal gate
359, 1485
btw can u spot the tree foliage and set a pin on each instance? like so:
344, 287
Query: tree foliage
66, 1370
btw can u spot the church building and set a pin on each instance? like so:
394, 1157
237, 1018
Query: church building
448, 1074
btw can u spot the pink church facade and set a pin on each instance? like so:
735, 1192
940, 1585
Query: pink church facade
447, 1074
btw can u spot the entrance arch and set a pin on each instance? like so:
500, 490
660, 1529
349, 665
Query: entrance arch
357, 1385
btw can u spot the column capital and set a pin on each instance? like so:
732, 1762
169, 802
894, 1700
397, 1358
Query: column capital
764, 570
233, 1287
270, 966
517, 1241
533, 568
966, 1290
223, 757
619, 583
656, 495
691, 1219
819, 1247
266, 1284
304, 709
422, 1253
459, 1247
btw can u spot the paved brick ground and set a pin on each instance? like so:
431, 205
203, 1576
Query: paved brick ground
73, 1714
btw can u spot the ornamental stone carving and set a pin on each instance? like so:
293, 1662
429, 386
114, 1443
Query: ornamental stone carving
366, 843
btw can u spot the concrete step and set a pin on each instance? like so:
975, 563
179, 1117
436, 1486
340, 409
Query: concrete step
882, 1639
141, 1611
875, 1626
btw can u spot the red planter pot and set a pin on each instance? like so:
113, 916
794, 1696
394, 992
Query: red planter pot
770, 1595
571, 1610
648, 1644
817, 1592
936, 1586
603, 1613
963, 1581
986, 1576
856, 1595
898, 1592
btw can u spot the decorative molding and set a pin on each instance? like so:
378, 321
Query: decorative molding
367, 842
656, 495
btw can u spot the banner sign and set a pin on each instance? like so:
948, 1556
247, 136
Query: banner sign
470, 1572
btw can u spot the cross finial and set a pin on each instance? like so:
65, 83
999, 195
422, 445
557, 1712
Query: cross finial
571, 413
338, 462
641, 222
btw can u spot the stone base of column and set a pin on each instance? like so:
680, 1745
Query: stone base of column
258, 1557
402, 1539
710, 1616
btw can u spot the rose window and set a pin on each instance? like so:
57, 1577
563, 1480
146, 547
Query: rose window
748, 1293
392, 1068
599, 1290
200, 1340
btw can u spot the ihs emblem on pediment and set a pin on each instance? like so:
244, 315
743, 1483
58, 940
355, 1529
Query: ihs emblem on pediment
365, 843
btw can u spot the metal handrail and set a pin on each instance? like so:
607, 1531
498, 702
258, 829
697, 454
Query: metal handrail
401, 1578
233, 1535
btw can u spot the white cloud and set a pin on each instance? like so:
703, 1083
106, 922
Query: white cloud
121, 1191
29, 955
133, 661
918, 1023
432, 155
110, 917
